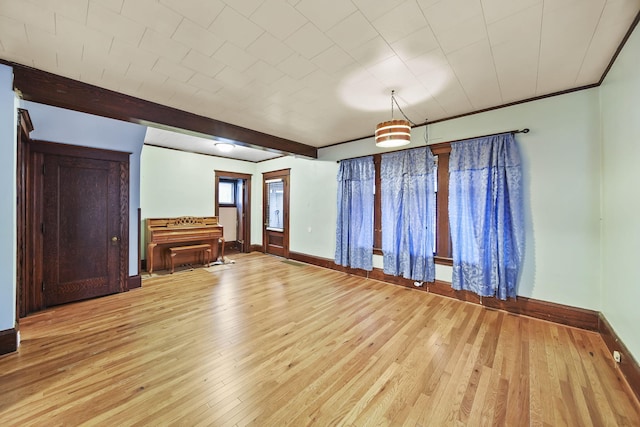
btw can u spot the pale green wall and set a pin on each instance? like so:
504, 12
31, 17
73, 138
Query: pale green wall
312, 215
620, 97
561, 158
176, 183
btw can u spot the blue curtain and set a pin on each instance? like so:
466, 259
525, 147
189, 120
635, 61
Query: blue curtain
486, 215
408, 213
354, 230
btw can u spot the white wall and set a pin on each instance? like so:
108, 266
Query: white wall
620, 97
175, 183
7, 199
228, 218
71, 127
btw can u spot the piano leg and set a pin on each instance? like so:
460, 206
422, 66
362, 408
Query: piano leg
150, 248
221, 241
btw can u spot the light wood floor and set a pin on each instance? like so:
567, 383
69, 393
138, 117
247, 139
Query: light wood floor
264, 342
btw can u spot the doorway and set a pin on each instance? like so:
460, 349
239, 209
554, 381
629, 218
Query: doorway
275, 202
237, 200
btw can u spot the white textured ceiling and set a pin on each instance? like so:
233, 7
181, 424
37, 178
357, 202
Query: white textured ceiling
319, 71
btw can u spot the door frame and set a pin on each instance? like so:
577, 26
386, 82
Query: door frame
246, 203
25, 126
284, 175
29, 225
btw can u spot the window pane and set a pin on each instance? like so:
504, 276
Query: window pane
275, 202
226, 193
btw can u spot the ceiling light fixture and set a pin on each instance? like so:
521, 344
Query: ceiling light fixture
393, 133
225, 147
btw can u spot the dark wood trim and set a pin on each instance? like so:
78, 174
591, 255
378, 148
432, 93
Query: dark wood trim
124, 225
25, 120
139, 241
246, 202
443, 260
628, 365
557, 313
59, 149
51, 89
25, 126
620, 46
230, 245
8, 341
443, 233
257, 248
134, 282
377, 205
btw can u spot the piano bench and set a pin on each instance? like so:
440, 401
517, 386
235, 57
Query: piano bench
205, 249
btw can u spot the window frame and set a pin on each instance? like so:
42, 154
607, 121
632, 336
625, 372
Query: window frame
234, 184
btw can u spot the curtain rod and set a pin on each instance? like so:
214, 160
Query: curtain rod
525, 130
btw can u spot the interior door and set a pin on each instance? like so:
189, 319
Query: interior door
276, 213
240, 215
82, 230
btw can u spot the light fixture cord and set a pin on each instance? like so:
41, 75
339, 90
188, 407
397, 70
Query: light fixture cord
393, 98
395, 101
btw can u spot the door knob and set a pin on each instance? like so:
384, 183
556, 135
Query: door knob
114, 240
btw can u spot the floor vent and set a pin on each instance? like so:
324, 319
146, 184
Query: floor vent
297, 264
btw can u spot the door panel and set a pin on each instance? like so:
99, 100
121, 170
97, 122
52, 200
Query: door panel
81, 228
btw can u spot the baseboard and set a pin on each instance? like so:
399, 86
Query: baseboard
135, 281
230, 245
628, 365
8, 341
257, 248
558, 313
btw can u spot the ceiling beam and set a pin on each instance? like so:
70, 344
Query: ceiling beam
51, 89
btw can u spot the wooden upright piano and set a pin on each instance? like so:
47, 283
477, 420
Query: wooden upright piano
164, 233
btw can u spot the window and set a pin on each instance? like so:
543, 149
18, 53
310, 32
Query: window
275, 204
227, 193
442, 250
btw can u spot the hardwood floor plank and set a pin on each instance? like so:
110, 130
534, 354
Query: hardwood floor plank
266, 343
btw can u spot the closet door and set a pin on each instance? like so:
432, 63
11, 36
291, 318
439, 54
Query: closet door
82, 233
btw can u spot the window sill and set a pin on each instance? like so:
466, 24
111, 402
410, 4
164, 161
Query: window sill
443, 261
437, 259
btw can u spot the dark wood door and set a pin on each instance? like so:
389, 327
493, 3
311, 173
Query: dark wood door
275, 196
82, 231
240, 215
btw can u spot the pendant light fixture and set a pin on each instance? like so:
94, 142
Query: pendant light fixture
393, 133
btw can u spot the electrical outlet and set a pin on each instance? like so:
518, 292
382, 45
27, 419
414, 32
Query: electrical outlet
616, 356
